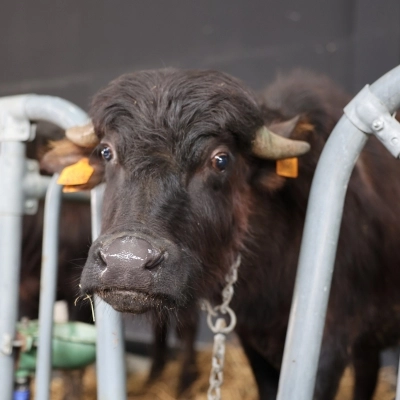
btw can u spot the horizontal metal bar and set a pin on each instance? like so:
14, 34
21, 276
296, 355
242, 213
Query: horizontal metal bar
32, 107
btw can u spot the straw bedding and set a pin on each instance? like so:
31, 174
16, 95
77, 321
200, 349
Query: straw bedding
238, 383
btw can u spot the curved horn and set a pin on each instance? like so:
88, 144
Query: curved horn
270, 146
82, 135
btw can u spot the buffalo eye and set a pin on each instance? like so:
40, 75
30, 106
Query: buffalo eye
220, 161
106, 153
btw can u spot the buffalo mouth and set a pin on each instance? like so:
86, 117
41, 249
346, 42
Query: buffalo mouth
135, 302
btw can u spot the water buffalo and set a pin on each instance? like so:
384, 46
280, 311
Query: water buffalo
74, 244
189, 161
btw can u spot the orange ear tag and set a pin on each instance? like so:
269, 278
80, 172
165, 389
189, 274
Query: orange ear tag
288, 167
71, 189
76, 174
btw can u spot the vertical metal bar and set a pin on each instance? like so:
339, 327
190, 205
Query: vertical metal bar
110, 359
48, 287
318, 249
316, 261
398, 383
12, 162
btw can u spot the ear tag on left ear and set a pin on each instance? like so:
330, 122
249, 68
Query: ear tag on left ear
76, 174
288, 167
71, 189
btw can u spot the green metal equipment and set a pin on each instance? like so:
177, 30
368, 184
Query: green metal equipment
73, 343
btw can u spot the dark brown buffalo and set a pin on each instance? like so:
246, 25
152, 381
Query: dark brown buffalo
191, 184
74, 243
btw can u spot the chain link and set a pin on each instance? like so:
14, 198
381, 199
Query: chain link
221, 329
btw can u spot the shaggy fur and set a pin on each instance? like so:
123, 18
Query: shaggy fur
164, 129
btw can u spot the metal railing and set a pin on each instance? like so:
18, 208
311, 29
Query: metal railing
16, 114
368, 113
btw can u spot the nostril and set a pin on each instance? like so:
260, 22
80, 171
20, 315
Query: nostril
156, 261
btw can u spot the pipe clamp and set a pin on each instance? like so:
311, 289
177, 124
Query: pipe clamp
367, 113
15, 129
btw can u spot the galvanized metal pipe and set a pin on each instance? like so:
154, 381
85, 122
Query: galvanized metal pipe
110, 359
318, 250
35, 185
16, 111
398, 383
12, 168
48, 288
316, 261
33, 107
111, 368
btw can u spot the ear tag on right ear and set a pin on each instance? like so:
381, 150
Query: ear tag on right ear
288, 167
76, 174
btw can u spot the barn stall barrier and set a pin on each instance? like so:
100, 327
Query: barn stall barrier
18, 196
368, 113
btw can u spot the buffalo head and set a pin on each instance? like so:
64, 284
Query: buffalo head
180, 151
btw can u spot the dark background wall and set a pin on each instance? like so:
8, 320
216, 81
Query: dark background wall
72, 48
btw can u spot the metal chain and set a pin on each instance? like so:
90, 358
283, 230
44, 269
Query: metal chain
221, 329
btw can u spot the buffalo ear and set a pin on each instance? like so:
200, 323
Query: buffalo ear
267, 180
285, 128
64, 153
86, 170
61, 154
295, 128
82, 175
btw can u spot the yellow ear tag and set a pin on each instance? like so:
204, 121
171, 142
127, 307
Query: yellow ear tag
288, 167
76, 174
